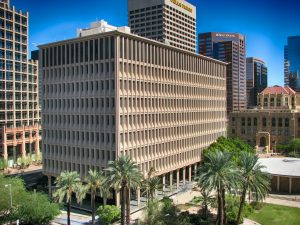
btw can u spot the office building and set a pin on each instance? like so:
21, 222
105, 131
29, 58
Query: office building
115, 93
19, 109
257, 79
229, 48
172, 22
275, 121
292, 63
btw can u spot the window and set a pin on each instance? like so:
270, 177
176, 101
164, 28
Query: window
243, 121
264, 121
286, 122
273, 122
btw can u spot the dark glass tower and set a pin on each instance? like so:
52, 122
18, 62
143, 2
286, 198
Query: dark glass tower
257, 79
292, 63
230, 48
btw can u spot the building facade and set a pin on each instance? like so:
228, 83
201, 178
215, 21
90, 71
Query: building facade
292, 63
229, 48
172, 22
115, 93
257, 79
19, 108
275, 121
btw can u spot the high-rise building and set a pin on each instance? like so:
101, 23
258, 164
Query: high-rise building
229, 48
172, 22
292, 63
19, 108
257, 79
115, 93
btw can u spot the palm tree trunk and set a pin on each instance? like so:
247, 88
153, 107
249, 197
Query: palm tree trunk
69, 212
224, 206
242, 203
123, 193
220, 218
128, 207
93, 206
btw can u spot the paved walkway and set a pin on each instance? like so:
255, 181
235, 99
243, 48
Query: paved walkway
284, 202
250, 222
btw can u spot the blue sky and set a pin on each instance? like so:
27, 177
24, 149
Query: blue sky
266, 23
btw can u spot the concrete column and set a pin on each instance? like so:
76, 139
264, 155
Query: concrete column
177, 179
164, 182
49, 186
183, 175
190, 173
104, 201
36, 147
171, 181
4, 154
23, 148
195, 171
278, 183
138, 196
118, 198
290, 185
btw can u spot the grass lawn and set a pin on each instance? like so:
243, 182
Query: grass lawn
276, 215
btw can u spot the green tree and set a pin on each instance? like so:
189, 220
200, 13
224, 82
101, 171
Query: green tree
254, 180
69, 183
36, 209
206, 199
18, 192
294, 147
218, 172
232, 145
124, 174
151, 184
153, 214
108, 214
96, 183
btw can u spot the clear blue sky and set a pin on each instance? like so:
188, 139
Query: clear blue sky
266, 23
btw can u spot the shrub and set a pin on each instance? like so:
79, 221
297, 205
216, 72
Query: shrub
3, 164
257, 205
108, 214
232, 207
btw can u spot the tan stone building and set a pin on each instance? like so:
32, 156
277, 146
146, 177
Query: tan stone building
275, 120
172, 22
19, 108
116, 93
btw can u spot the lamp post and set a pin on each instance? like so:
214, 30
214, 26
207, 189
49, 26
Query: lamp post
9, 185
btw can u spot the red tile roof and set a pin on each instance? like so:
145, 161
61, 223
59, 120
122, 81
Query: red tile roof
278, 90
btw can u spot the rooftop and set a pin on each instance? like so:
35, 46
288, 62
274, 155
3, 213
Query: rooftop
278, 90
281, 166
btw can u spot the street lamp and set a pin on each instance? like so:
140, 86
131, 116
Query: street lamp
9, 185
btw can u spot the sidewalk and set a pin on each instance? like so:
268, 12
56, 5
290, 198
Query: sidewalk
285, 202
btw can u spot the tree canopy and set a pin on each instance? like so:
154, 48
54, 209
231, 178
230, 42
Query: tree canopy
232, 145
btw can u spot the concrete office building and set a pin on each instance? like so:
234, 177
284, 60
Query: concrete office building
230, 48
257, 79
116, 93
169, 21
19, 108
276, 120
292, 63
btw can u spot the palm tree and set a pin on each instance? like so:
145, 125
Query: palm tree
124, 174
69, 183
254, 180
206, 199
96, 183
218, 172
151, 184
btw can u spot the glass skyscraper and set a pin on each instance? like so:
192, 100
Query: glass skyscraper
292, 63
229, 48
257, 79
